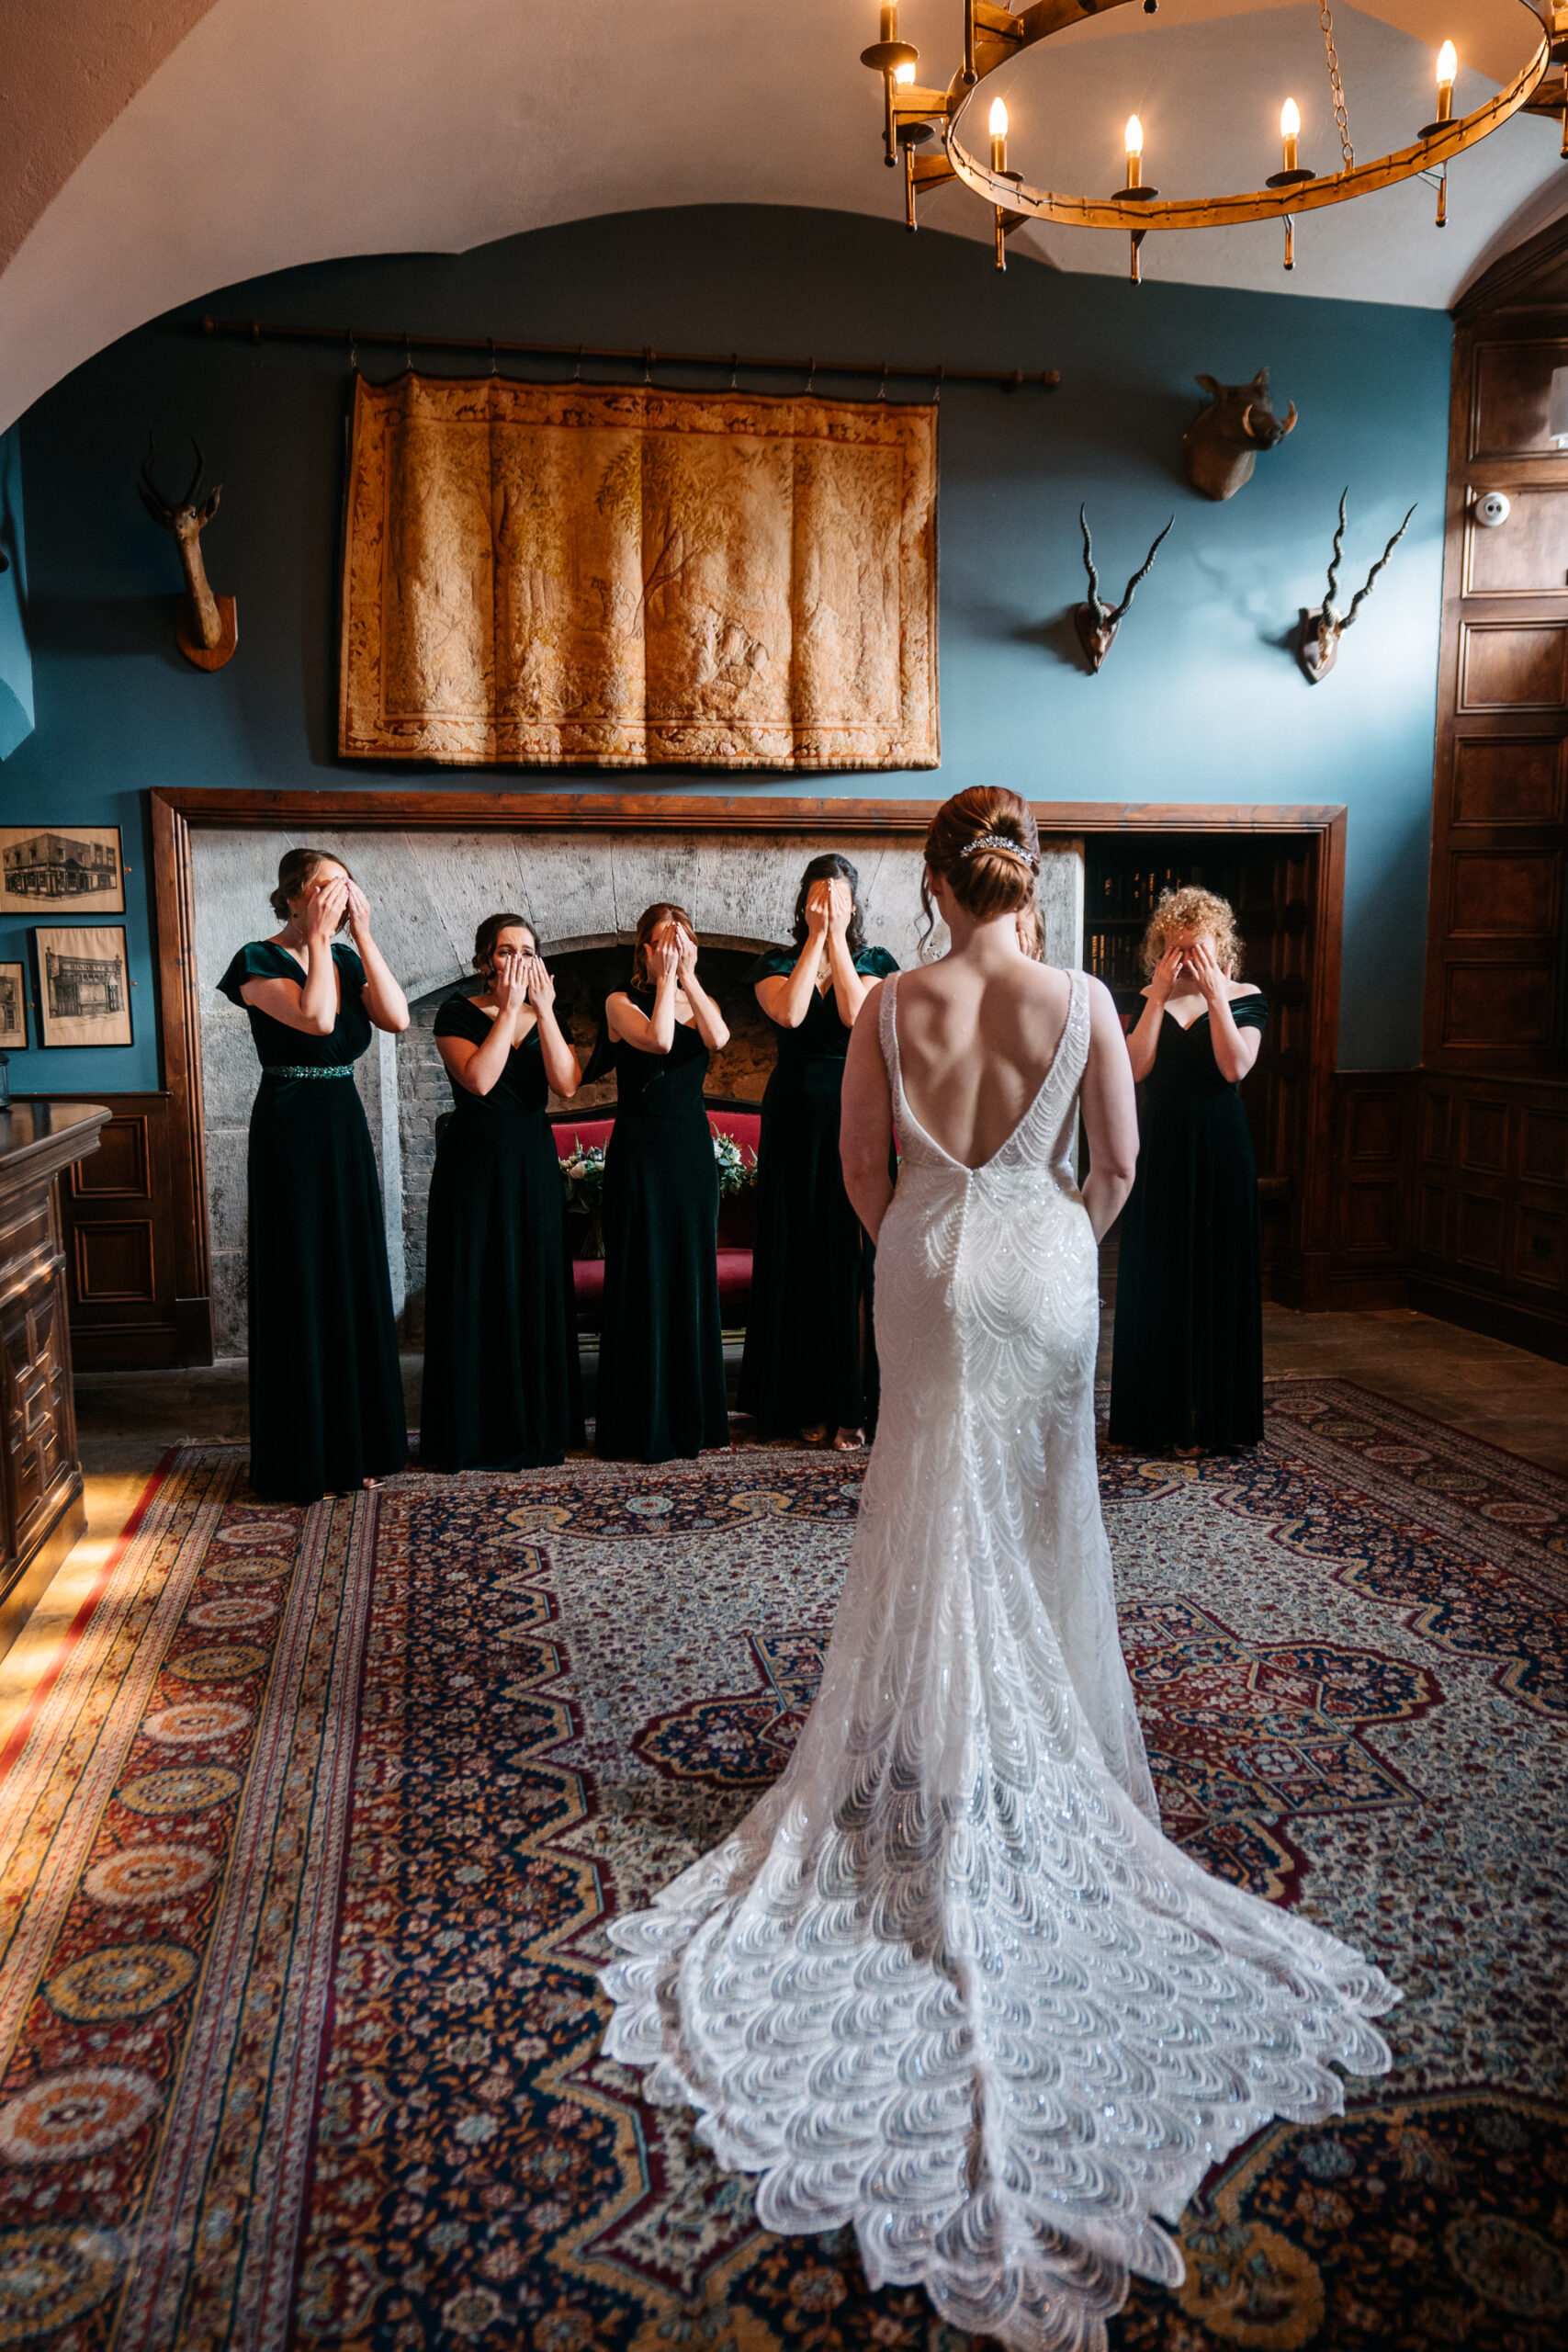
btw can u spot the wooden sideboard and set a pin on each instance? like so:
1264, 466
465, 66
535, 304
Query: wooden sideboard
42, 1509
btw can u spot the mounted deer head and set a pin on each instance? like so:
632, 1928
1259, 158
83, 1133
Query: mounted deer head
1220, 447
1318, 634
206, 627
1097, 622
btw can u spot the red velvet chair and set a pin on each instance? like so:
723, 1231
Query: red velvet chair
736, 1215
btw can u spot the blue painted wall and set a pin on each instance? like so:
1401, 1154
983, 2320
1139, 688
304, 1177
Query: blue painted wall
15, 656
1197, 702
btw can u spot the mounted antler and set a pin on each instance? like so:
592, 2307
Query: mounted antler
1318, 633
206, 627
1096, 621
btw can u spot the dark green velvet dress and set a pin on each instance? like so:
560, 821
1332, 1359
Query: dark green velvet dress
503, 1389
810, 1358
1187, 1363
326, 1393
661, 1345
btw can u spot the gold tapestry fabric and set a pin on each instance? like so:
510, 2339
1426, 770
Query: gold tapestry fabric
554, 576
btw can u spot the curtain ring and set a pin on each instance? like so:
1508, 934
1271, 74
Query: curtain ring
734, 368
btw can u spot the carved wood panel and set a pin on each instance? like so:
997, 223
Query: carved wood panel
1496, 963
121, 1242
1489, 1240
1373, 1138
1508, 780
1508, 398
1513, 666
35, 1402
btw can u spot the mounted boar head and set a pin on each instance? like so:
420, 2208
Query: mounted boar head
205, 629
1096, 621
1220, 447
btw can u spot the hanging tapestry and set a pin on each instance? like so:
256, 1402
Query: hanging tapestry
553, 576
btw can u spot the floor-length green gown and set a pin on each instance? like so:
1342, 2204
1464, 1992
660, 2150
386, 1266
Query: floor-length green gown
661, 1344
326, 1393
810, 1359
1187, 1360
503, 1389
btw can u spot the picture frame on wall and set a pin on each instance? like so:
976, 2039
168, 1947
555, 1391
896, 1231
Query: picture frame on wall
61, 869
84, 997
13, 1008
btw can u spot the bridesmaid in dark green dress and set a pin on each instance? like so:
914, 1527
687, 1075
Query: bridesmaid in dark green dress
502, 1384
326, 1393
661, 1345
1187, 1363
810, 1361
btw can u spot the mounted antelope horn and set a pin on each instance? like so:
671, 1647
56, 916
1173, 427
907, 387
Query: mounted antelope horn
1318, 634
153, 498
1088, 557
205, 627
1359, 598
1142, 573
1095, 620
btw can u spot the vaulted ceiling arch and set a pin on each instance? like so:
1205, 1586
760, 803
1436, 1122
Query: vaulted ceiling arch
157, 153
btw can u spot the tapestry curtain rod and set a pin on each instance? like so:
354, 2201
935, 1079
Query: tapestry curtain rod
255, 330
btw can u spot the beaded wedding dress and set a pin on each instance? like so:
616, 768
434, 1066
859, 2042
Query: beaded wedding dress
947, 1981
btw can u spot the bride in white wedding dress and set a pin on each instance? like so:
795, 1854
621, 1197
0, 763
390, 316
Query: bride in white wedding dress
947, 1981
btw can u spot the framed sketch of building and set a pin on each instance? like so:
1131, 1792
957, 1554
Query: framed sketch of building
13, 1008
83, 988
63, 867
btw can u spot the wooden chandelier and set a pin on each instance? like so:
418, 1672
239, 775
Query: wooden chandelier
915, 117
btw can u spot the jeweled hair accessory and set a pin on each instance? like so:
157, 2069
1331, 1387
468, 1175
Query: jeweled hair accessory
1008, 849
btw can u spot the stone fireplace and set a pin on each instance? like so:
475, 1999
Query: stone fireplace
429, 886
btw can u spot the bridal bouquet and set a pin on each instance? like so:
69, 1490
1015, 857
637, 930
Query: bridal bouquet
584, 1177
735, 1170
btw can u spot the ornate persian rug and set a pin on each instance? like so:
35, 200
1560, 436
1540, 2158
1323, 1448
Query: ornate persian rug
306, 1853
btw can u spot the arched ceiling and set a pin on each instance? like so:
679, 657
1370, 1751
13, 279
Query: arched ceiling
157, 153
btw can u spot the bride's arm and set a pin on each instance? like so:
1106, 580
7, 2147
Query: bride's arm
1110, 1111
865, 1121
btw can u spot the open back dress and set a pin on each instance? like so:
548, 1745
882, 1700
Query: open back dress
947, 1982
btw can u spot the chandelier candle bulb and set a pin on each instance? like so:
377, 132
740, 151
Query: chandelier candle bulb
1132, 138
889, 20
998, 135
1289, 132
1447, 66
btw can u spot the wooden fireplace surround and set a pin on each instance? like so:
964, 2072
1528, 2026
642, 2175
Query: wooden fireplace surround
164, 1313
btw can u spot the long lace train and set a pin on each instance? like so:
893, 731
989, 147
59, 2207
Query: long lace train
947, 1981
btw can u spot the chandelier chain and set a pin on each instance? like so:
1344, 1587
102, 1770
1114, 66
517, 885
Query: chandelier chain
1335, 84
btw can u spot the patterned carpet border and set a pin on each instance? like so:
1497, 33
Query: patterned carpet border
307, 1854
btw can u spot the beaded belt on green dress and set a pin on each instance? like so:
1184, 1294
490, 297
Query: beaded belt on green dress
307, 1070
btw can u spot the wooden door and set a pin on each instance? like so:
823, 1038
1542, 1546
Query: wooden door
1495, 983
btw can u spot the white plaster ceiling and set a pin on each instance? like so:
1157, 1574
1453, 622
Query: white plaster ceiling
276, 132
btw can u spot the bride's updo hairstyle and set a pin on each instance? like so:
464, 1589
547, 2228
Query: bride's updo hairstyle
986, 846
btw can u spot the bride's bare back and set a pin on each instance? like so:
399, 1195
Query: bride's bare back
976, 1040
977, 1035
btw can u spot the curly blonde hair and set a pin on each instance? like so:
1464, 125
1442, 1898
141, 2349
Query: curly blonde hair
1191, 909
